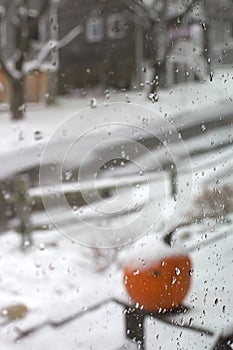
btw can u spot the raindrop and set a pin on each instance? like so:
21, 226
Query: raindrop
93, 103
211, 76
153, 97
191, 321
37, 264
191, 272
27, 244
4, 312
38, 135
155, 273
216, 301
177, 271
173, 280
123, 154
68, 175
203, 127
42, 246
46, 95
51, 266
21, 137
135, 273
204, 26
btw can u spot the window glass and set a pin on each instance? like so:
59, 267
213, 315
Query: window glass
116, 192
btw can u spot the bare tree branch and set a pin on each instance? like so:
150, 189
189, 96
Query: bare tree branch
168, 238
52, 45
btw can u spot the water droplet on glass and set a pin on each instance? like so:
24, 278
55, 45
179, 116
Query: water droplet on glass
153, 97
191, 272
38, 135
21, 136
173, 280
203, 127
191, 321
51, 266
204, 26
42, 246
68, 175
123, 154
4, 312
37, 264
27, 244
93, 103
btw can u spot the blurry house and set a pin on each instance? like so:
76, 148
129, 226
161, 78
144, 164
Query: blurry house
108, 50
220, 21
204, 39
39, 83
187, 43
114, 44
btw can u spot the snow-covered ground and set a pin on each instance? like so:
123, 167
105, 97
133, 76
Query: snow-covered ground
73, 118
56, 278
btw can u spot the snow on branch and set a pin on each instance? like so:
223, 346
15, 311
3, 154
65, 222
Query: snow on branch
52, 45
9, 68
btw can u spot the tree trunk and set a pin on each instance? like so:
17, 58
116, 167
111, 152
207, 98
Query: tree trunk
17, 100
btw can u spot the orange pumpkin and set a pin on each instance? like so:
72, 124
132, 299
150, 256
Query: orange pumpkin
161, 285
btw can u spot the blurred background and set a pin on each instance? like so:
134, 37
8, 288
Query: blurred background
115, 137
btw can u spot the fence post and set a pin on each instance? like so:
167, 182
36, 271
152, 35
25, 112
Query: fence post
23, 209
134, 319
